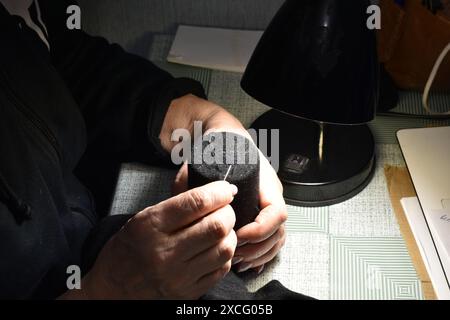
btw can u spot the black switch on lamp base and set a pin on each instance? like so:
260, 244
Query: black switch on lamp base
316, 65
320, 164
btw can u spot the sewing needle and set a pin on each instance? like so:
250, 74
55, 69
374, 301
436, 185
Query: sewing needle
228, 172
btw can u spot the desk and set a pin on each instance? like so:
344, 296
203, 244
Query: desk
353, 250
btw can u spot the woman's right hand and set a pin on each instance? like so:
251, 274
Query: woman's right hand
177, 249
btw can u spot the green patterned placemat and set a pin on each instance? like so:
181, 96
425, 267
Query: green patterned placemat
372, 269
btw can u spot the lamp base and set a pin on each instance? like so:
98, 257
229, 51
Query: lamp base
320, 164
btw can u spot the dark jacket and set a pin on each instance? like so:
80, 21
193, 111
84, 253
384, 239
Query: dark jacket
68, 118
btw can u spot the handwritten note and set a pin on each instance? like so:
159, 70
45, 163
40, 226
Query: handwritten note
445, 218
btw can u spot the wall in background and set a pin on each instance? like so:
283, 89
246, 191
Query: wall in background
129, 22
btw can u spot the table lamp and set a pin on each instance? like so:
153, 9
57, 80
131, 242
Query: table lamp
316, 65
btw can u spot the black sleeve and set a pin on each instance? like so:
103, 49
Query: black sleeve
123, 97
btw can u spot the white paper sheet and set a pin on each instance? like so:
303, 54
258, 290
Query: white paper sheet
426, 246
214, 48
439, 223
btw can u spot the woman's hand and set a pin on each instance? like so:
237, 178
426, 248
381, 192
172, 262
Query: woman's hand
260, 241
177, 249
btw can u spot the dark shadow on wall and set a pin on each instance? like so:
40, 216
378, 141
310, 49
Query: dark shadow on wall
129, 21
142, 45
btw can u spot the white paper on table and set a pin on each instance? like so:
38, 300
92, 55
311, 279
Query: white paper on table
439, 222
214, 48
427, 249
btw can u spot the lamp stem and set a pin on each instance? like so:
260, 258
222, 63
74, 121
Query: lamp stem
321, 139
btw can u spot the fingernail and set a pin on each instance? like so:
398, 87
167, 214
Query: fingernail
260, 269
244, 267
236, 260
234, 189
242, 243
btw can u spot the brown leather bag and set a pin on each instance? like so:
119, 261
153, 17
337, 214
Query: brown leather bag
411, 40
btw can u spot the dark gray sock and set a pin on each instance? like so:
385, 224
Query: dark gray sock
236, 158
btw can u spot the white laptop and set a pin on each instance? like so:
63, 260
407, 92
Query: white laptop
427, 155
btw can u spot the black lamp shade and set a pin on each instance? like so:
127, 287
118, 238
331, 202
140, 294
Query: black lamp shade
317, 60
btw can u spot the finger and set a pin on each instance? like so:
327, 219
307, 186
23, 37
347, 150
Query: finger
184, 209
269, 256
259, 269
180, 184
206, 233
271, 189
265, 225
213, 258
209, 281
252, 252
